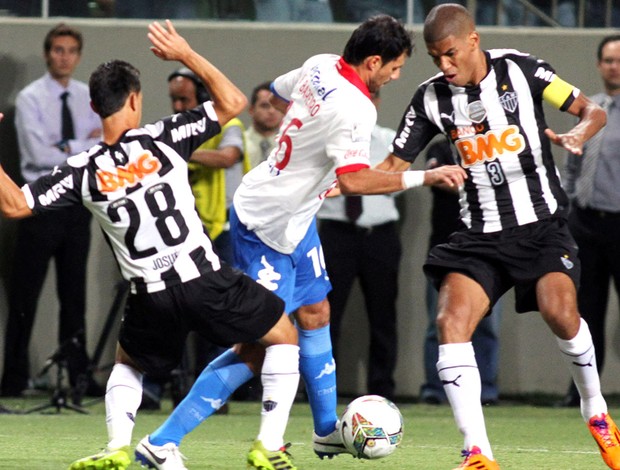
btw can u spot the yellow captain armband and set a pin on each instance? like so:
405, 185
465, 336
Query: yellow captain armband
558, 91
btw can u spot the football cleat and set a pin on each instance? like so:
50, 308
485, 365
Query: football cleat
263, 459
330, 445
107, 459
166, 457
475, 459
607, 436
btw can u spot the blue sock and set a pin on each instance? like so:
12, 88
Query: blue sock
318, 369
216, 382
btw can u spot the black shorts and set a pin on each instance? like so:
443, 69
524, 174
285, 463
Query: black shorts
515, 257
224, 306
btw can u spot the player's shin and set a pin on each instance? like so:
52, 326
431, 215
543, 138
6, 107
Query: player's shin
280, 379
460, 377
122, 399
210, 391
318, 369
578, 353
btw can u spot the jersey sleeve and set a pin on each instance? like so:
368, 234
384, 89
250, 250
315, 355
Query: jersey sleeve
348, 140
545, 83
415, 130
185, 132
284, 85
57, 190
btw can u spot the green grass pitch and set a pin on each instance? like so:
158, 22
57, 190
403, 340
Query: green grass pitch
523, 436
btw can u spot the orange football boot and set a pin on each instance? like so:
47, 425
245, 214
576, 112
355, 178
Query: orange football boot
607, 436
476, 460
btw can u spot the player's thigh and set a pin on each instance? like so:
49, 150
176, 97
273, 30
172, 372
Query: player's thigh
557, 302
311, 280
228, 307
152, 333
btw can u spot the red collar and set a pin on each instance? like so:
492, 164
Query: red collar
351, 75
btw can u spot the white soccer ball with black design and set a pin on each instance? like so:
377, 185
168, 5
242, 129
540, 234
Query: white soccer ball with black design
371, 427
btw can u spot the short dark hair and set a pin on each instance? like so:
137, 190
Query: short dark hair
260, 87
380, 35
110, 85
62, 29
606, 40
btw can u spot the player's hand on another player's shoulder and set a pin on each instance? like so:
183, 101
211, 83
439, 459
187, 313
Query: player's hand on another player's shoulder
446, 176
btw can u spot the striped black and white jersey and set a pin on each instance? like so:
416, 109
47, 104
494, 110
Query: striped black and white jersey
138, 191
497, 128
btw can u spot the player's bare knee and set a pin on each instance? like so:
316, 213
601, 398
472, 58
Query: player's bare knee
455, 326
252, 354
121, 357
314, 316
283, 332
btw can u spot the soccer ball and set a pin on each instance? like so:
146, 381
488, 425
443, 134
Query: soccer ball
371, 427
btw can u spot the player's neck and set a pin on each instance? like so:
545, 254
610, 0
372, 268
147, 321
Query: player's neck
115, 126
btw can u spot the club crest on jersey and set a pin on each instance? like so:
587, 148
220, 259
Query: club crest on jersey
489, 146
568, 264
127, 176
509, 101
476, 111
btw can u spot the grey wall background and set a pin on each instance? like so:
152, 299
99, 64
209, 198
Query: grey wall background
250, 53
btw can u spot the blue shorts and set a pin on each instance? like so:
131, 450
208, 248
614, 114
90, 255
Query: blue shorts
299, 278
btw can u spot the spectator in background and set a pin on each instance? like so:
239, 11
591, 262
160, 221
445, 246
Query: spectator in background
444, 221
360, 240
216, 167
266, 119
593, 186
317, 11
53, 120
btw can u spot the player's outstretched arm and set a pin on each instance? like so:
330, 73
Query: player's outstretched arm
228, 100
592, 118
13, 203
390, 176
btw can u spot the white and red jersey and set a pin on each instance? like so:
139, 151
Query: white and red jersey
325, 132
138, 191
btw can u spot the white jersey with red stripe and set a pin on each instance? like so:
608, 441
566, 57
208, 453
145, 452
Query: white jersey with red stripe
326, 131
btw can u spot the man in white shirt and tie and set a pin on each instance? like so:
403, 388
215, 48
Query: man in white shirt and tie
53, 120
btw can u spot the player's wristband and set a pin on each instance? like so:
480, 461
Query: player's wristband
412, 179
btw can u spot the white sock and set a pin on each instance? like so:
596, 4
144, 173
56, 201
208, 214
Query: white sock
280, 378
122, 399
579, 355
459, 374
